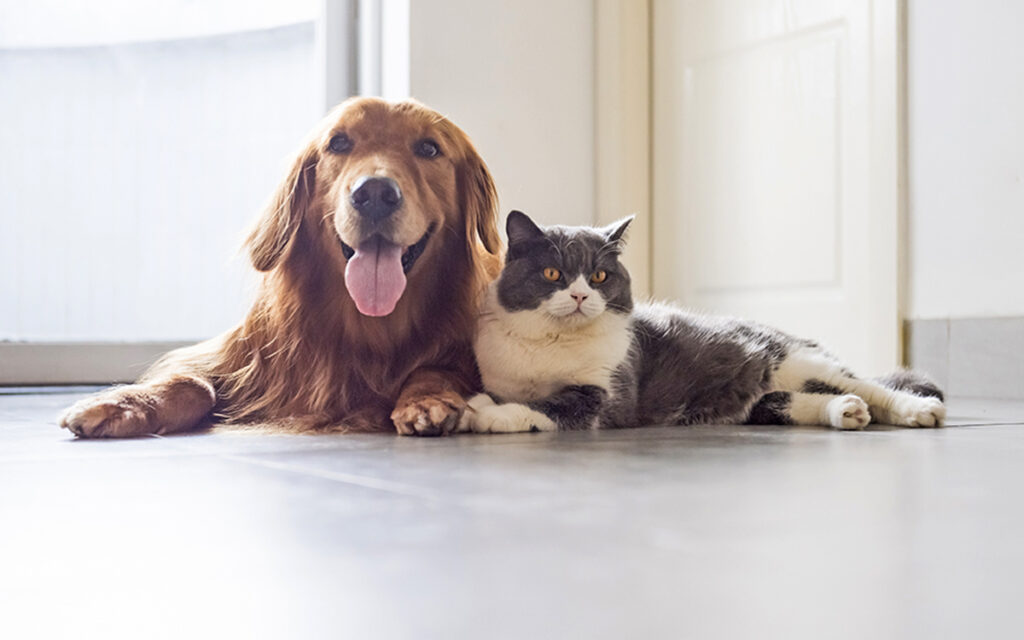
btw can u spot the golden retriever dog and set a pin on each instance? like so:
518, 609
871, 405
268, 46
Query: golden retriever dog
374, 251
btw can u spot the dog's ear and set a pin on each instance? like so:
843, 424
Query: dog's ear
478, 198
275, 229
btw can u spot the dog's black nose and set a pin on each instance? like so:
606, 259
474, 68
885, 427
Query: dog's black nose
376, 197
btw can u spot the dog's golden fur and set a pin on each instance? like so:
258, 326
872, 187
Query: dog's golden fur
305, 358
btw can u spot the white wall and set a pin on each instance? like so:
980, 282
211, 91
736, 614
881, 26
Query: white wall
966, 158
518, 77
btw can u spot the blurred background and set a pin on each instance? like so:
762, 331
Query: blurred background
849, 170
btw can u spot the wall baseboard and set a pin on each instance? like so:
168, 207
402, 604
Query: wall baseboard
970, 357
30, 363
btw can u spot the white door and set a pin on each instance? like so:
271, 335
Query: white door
776, 167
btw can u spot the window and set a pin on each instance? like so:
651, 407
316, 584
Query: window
140, 138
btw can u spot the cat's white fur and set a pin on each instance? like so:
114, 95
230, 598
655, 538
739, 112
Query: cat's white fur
483, 415
885, 405
529, 355
842, 412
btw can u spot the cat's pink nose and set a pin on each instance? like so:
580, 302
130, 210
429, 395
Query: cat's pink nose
579, 297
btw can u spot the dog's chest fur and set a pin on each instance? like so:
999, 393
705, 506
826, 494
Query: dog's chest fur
524, 358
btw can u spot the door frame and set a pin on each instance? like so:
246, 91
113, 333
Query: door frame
622, 128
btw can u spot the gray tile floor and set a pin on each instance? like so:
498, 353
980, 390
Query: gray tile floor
710, 532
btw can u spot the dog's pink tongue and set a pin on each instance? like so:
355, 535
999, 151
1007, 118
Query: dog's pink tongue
374, 277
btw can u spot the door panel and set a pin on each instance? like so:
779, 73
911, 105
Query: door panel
763, 171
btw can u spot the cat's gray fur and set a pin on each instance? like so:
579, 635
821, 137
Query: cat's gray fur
652, 363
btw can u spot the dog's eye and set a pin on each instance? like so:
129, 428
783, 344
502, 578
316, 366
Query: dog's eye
552, 274
426, 148
599, 276
340, 143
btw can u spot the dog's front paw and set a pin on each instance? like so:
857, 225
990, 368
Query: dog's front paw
118, 413
434, 415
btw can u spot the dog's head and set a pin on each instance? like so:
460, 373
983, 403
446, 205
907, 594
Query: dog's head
382, 186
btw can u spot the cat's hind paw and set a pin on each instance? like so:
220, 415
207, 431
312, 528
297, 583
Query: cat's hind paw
848, 412
508, 418
914, 411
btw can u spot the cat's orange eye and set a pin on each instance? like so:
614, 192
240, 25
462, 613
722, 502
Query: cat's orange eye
552, 274
598, 277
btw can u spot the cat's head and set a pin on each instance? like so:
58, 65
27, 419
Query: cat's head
568, 275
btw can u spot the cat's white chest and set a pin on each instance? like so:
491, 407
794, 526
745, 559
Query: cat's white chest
522, 359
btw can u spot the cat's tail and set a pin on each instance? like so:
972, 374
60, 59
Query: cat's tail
913, 382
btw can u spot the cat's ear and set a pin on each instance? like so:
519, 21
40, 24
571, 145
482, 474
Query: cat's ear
521, 228
615, 233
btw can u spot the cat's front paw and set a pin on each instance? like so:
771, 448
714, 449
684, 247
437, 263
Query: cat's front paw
914, 411
848, 412
473, 407
487, 417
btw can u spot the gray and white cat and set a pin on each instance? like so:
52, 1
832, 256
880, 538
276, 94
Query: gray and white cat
560, 345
